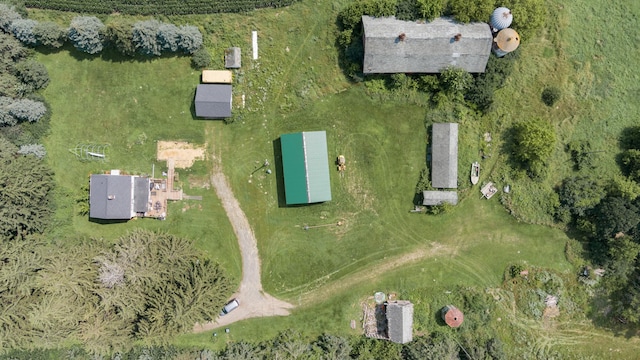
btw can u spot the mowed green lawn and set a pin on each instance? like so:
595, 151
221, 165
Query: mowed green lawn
296, 85
130, 105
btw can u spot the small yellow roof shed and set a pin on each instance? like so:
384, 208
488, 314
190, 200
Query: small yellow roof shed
217, 77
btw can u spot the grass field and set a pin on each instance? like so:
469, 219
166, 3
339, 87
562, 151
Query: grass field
296, 85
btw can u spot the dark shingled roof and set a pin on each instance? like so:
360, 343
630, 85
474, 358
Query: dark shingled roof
142, 186
396, 46
213, 101
110, 197
118, 197
400, 321
444, 156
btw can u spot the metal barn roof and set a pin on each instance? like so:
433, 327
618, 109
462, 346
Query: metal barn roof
439, 197
396, 46
444, 156
400, 321
305, 163
232, 58
213, 101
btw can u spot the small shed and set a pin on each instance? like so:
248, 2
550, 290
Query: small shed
232, 58
452, 316
305, 164
217, 77
396, 46
431, 198
117, 197
400, 321
444, 157
213, 101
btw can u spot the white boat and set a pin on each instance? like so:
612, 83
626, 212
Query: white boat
475, 172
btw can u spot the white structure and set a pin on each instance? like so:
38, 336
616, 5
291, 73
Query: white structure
254, 41
501, 19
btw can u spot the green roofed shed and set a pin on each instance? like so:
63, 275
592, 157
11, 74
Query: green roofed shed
305, 163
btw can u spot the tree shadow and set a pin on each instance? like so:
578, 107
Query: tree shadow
351, 56
629, 138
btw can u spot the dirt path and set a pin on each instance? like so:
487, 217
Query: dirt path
254, 302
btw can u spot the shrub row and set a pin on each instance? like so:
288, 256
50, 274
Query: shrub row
166, 7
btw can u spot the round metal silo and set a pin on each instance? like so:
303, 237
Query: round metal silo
505, 42
501, 18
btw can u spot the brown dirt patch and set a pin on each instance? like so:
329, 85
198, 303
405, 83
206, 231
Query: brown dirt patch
183, 153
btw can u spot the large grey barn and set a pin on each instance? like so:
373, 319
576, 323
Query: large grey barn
396, 46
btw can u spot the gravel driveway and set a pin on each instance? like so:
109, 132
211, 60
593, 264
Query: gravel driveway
254, 302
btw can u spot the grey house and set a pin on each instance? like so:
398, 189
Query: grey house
396, 46
400, 321
438, 197
213, 101
444, 156
117, 197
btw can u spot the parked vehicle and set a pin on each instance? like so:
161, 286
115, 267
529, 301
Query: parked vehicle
231, 305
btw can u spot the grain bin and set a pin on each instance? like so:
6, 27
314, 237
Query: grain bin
505, 42
501, 19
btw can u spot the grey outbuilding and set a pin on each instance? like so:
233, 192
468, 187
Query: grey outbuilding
213, 101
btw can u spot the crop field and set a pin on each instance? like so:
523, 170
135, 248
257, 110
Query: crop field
297, 85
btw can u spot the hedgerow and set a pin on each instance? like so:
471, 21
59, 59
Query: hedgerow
166, 7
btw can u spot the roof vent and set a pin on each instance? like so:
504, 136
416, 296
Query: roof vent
457, 37
111, 197
402, 36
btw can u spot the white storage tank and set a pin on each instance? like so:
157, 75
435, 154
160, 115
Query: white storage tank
501, 19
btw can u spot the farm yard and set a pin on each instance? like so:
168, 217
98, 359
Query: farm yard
326, 259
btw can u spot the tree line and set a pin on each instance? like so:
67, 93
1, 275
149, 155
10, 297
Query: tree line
90, 35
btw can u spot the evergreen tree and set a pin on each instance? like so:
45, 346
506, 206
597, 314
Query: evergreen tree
190, 39
23, 30
25, 190
86, 34
145, 37
8, 15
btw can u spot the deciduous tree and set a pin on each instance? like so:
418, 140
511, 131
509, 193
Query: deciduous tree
34, 74
119, 33
49, 34
533, 142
